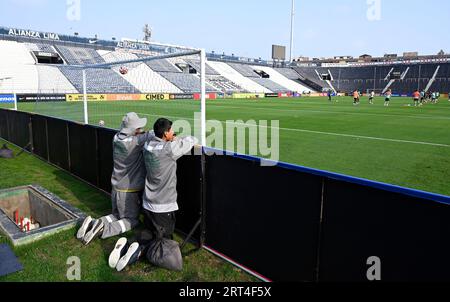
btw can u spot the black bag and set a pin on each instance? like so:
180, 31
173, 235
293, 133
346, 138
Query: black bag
165, 253
5, 152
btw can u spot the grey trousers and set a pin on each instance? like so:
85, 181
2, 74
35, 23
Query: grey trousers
125, 213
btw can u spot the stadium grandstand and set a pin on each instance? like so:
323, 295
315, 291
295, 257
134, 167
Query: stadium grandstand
224, 143
32, 59
35, 61
402, 74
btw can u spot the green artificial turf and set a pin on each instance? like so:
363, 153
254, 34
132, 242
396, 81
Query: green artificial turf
400, 144
46, 260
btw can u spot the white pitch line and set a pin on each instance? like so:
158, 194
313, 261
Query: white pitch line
315, 132
169, 116
146, 114
299, 110
360, 136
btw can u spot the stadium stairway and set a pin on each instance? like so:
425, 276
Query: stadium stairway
271, 85
311, 74
160, 65
187, 82
433, 78
292, 75
283, 81
288, 73
18, 65
223, 84
214, 81
185, 78
139, 74
245, 70
388, 86
331, 86
196, 65
442, 82
231, 74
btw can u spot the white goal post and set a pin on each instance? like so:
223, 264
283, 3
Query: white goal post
87, 72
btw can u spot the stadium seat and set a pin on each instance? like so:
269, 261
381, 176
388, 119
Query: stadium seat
139, 74
18, 65
181, 74
377, 77
79, 55
189, 83
40, 47
281, 80
196, 65
223, 84
160, 65
311, 76
288, 73
245, 70
98, 80
231, 74
52, 81
271, 85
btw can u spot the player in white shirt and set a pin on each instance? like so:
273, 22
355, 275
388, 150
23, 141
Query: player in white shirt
387, 99
371, 96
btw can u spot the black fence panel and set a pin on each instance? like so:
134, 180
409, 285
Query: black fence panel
266, 218
4, 124
409, 235
105, 157
83, 152
19, 128
189, 181
286, 223
58, 143
39, 126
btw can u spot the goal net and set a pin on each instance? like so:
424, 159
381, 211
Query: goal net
115, 82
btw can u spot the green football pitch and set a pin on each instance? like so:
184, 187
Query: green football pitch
400, 144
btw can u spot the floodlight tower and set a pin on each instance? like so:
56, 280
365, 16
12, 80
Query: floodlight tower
147, 33
292, 31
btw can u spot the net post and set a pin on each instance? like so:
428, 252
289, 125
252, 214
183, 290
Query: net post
203, 95
291, 49
15, 101
86, 116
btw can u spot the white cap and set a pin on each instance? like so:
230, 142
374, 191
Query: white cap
131, 122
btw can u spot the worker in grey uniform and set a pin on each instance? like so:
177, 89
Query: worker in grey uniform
127, 182
160, 195
161, 153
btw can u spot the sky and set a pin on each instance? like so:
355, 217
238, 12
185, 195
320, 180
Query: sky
322, 28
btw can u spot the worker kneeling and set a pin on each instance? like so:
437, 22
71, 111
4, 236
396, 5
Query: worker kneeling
156, 243
127, 180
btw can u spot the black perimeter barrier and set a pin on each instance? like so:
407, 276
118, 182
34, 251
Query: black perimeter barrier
280, 223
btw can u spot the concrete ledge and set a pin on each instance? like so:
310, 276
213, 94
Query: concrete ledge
71, 216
